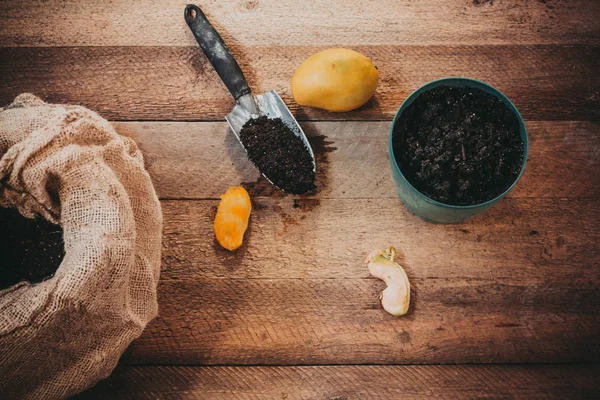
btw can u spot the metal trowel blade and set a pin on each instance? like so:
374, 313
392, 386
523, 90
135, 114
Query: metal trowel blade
271, 105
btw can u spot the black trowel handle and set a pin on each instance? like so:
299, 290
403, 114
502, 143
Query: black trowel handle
216, 51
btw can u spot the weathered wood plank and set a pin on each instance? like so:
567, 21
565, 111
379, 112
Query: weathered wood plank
523, 239
352, 382
284, 22
200, 160
178, 83
519, 284
340, 321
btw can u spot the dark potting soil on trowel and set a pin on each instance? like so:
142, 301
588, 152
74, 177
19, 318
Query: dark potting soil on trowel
459, 146
279, 154
30, 249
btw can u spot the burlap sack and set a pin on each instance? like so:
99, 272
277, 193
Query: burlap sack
69, 165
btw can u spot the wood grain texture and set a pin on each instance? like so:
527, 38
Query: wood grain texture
177, 83
523, 239
200, 160
340, 321
284, 22
519, 284
352, 382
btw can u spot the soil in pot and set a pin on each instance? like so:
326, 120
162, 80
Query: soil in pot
30, 249
458, 146
279, 154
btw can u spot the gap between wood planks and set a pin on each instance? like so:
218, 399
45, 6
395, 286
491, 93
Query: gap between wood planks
458, 364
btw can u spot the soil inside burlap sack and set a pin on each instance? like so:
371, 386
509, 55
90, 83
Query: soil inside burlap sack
67, 165
31, 249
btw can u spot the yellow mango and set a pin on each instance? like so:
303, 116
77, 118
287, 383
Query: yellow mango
335, 80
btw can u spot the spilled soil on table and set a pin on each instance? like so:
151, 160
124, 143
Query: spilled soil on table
301, 205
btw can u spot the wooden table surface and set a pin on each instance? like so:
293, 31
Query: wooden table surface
506, 304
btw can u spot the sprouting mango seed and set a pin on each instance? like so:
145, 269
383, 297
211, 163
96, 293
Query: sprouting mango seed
395, 299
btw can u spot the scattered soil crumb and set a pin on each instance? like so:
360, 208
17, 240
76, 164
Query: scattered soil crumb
479, 3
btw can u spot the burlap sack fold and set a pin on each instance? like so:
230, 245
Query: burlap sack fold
69, 165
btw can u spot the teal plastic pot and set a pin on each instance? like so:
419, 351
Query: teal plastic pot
421, 205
